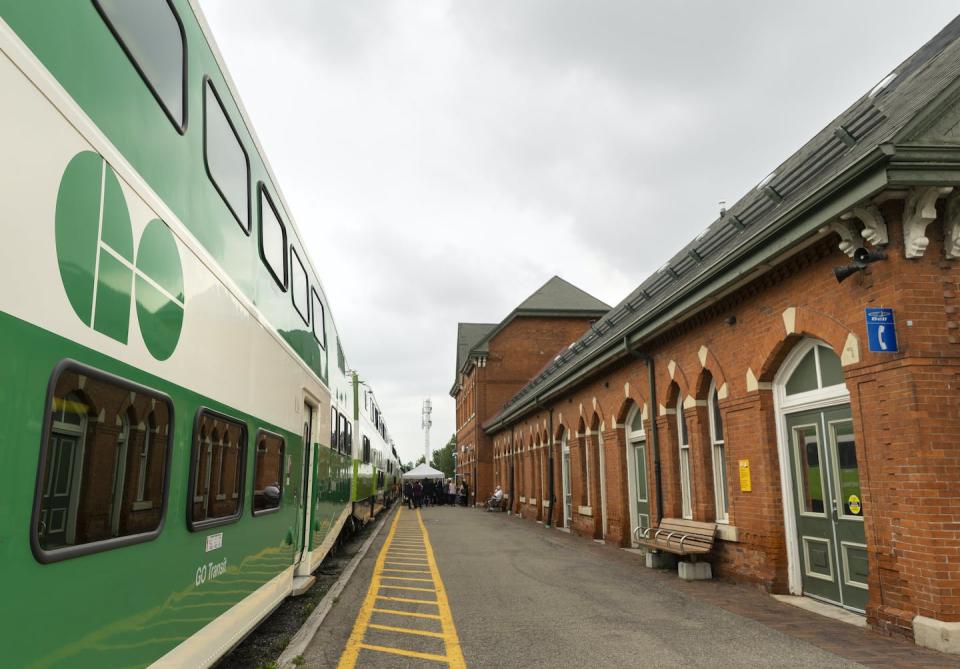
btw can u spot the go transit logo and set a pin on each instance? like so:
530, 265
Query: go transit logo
95, 251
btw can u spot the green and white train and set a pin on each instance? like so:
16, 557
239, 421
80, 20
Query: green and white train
167, 378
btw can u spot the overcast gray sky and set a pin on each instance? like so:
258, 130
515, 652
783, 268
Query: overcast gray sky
445, 158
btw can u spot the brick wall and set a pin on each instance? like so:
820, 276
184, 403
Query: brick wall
905, 410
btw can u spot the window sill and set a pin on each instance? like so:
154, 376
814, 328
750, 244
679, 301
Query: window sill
585, 511
220, 498
727, 532
532, 501
142, 506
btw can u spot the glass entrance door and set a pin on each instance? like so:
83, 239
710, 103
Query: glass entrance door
641, 498
828, 506
567, 496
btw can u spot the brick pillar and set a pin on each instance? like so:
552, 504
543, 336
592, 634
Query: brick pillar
618, 514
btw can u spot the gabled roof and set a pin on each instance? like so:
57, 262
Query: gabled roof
560, 296
557, 298
889, 137
468, 335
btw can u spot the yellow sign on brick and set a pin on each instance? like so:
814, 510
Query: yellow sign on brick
745, 476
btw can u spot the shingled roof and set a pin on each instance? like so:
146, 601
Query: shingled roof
557, 297
468, 335
890, 137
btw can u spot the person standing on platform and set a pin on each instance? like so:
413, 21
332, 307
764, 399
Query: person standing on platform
408, 493
417, 495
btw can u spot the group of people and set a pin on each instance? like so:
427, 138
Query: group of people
434, 492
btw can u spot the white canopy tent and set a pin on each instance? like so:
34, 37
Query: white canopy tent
423, 471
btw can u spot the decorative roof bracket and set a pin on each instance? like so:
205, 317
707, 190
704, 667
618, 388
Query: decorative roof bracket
874, 227
951, 228
920, 211
849, 236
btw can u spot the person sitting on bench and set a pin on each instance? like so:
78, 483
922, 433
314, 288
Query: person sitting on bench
495, 499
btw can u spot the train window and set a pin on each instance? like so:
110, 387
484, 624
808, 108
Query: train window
225, 158
299, 286
334, 429
273, 239
342, 443
102, 479
319, 332
151, 34
366, 450
268, 473
216, 470
348, 445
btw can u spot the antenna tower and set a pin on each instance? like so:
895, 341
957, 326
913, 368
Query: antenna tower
425, 423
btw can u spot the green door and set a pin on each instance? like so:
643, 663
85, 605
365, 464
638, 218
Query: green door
828, 506
57, 492
641, 498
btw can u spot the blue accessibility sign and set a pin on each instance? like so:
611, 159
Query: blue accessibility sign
881, 332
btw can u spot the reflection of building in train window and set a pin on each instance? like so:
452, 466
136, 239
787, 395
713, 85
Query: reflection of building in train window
217, 468
268, 473
103, 465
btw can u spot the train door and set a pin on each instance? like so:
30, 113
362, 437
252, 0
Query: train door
305, 478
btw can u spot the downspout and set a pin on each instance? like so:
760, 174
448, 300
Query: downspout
513, 476
654, 437
551, 498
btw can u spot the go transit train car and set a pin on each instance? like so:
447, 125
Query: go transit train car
166, 378
376, 466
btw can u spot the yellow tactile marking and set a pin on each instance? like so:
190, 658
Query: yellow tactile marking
453, 655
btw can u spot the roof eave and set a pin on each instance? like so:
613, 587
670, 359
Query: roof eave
802, 220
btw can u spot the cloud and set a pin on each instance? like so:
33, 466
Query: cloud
445, 158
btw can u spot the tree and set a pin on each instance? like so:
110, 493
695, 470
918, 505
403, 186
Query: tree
443, 458
420, 460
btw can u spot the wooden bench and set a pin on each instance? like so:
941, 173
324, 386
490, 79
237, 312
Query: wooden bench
502, 505
679, 536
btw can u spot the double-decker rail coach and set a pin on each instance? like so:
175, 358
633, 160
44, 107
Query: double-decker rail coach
168, 375
376, 468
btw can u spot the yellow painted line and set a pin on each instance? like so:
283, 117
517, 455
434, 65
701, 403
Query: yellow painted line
407, 653
406, 630
431, 616
407, 578
408, 600
409, 571
451, 640
407, 587
453, 656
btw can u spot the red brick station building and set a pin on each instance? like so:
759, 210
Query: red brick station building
816, 421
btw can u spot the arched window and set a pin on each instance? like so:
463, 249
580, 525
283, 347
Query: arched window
683, 439
719, 458
819, 369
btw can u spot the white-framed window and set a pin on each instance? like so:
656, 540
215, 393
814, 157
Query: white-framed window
718, 455
683, 439
587, 441
144, 475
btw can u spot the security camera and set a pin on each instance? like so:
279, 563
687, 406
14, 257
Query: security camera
861, 258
